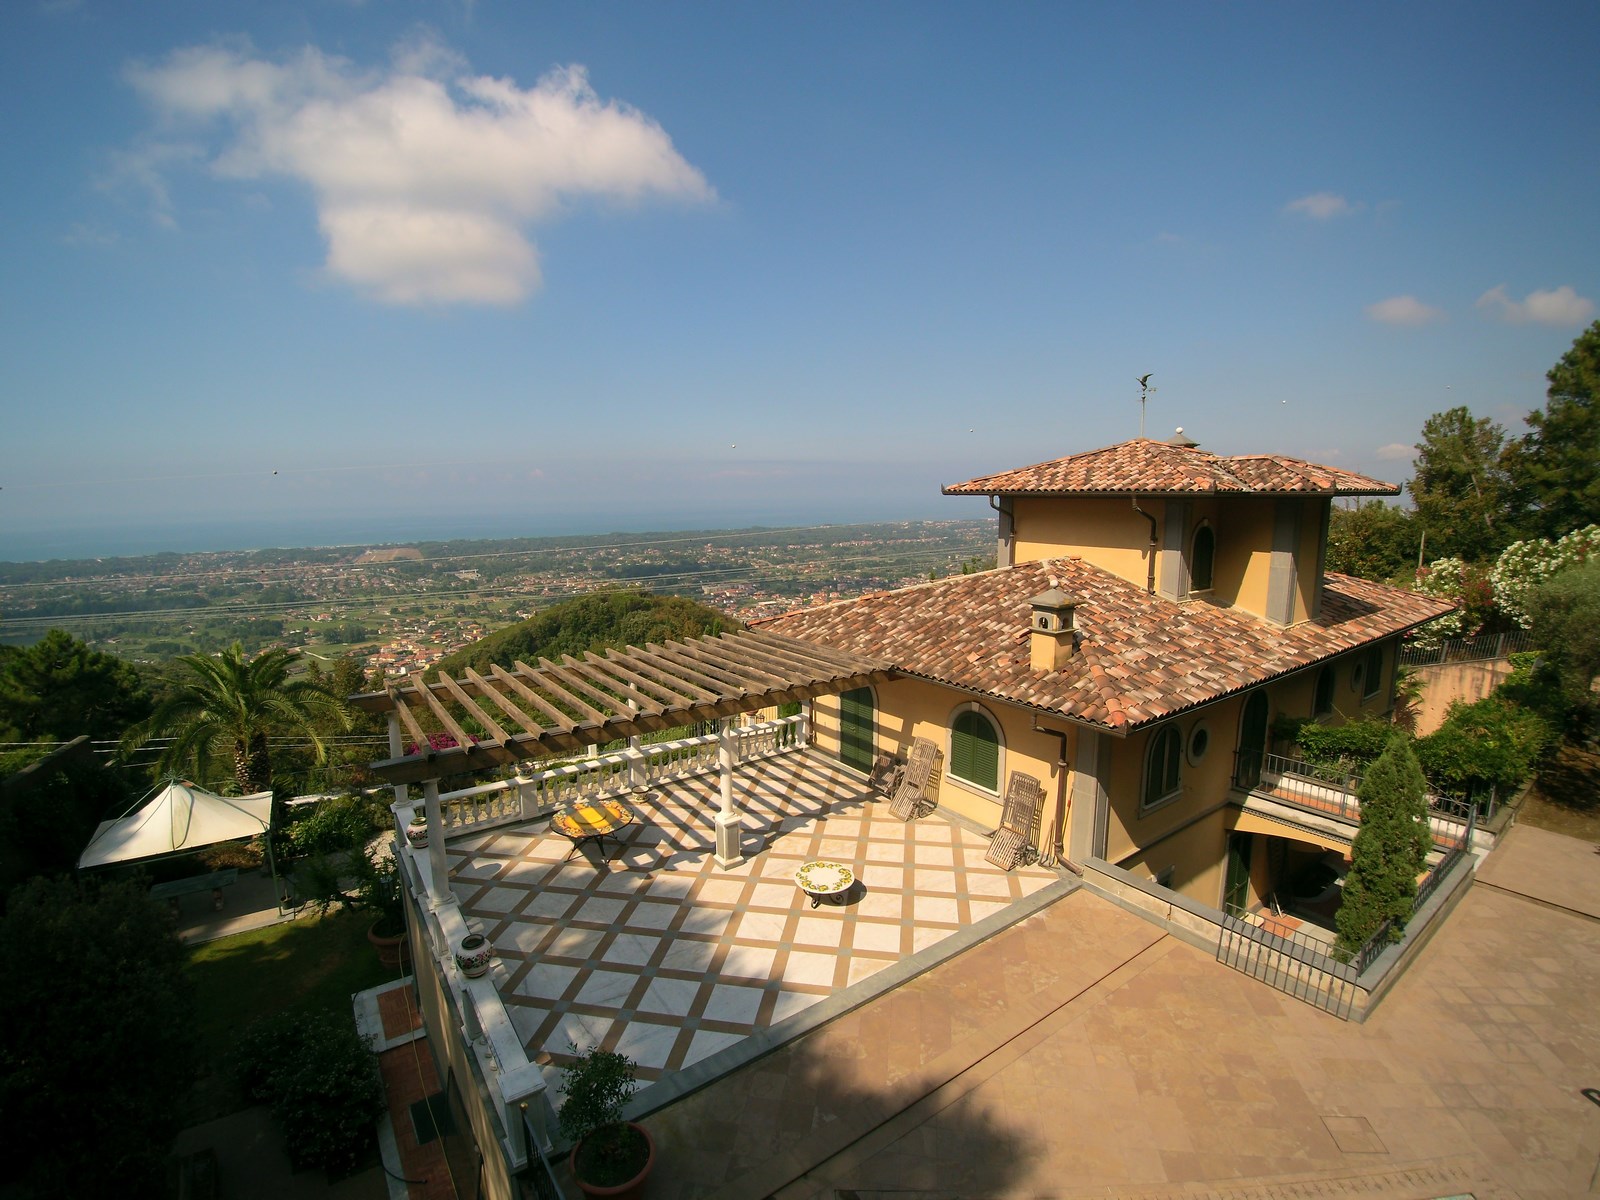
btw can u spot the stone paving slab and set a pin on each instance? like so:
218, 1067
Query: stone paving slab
1187, 1079
1548, 867
754, 1131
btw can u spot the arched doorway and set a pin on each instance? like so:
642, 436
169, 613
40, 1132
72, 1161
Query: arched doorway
857, 728
1252, 741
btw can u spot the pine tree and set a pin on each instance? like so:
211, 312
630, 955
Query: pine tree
1391, 849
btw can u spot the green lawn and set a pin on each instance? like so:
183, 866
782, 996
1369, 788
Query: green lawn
312, 963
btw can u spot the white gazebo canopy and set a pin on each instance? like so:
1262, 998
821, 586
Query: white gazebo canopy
178, 818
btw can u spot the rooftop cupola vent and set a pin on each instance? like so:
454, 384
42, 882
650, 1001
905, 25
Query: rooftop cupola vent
1182, 439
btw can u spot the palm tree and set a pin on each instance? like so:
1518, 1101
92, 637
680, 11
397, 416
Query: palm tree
230, 703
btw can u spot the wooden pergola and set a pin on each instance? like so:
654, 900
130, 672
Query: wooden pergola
560, 708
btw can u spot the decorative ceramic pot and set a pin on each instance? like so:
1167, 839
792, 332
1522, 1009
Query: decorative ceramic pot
473, 955
417, 833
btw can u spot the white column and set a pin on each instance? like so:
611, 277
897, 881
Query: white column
402, 794
438, 864
729, 851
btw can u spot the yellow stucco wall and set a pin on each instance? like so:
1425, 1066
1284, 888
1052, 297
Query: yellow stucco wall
906, 709
1244, 553
1196, 855
1104, 531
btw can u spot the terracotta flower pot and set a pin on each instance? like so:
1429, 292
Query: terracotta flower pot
628, 1190
392, 951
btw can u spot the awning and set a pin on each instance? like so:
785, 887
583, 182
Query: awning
178, 818
561, 708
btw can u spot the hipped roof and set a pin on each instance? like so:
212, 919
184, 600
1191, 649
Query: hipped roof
1146, 467
1139, 658
178, 818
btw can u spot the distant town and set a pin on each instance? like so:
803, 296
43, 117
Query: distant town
397, 609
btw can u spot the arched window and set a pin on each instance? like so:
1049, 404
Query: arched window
975, 749
1202, 558
1322, 703
1163, 766
856, 728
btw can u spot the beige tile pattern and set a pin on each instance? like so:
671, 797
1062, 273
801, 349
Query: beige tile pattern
666, 957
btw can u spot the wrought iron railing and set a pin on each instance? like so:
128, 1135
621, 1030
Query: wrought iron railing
1475, 649
1334, 790
1263, 946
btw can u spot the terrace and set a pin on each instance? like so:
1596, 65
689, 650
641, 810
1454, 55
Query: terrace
690, 962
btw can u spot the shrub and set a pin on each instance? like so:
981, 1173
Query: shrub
1490, 744
1351, 745
1390, 850
597, 1087
321, 1081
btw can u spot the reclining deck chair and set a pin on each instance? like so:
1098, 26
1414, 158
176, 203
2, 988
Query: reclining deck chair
886, 772
915, 796
1017, 839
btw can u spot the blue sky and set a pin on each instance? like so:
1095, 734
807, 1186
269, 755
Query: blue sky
508, 266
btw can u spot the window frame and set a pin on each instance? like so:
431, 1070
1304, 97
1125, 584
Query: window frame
998, 730
1170, 732
1373, 669
1323, 705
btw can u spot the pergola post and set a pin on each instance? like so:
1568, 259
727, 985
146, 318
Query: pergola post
729, 851
402, 794
438, 864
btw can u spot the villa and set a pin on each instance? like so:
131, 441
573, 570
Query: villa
1153, 609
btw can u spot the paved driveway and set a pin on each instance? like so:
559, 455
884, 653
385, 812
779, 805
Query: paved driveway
1083, 1053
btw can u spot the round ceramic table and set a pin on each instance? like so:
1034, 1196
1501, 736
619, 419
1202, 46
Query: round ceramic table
824, 880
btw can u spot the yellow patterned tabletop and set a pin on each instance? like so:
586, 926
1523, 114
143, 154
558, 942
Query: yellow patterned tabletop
591, 820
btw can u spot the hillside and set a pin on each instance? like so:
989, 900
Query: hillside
593, 622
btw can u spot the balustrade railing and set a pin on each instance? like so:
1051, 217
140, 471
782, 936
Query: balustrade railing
611, 774
1334, 790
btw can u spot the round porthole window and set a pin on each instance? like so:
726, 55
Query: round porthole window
1199, 742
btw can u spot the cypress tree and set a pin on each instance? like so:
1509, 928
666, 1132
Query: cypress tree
1391, 848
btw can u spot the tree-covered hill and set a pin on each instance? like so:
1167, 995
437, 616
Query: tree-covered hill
594, 622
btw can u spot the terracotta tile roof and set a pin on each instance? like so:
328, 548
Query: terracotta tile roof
1151, 467
1140, 657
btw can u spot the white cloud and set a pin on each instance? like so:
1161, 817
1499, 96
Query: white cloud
1397, 452
1404, 310
1320, 206
426, 177
1562, 306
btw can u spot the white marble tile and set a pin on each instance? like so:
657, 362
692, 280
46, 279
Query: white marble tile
721, 891
578, 1029
734, 1004
670, 997
824, 929
546, 981
934, 881
937, 908
774, 895
881, 904
706, 1043
685, 954
757, 926
749, 962
606, 989
807, 967
551, 905
651, 915
875, 935
647, 1044
500, 900
705, 920
985, 908
631, 949
790, 1003
574, 943
599, 910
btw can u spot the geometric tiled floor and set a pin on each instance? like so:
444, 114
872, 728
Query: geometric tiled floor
666, 957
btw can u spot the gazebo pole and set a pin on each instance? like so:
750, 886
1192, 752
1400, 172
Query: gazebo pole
438, 863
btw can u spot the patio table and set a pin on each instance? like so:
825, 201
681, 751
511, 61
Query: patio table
592, 822
821, 879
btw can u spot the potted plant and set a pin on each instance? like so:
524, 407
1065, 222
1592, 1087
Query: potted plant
610, 1156
378, 893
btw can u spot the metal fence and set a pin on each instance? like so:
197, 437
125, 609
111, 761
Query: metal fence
1473, 649
1324, 976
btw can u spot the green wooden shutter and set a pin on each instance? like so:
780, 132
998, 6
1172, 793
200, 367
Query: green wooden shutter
975, 750
856, 728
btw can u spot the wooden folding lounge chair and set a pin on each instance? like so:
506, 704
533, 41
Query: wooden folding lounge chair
1018, 836
886, 772
916, 797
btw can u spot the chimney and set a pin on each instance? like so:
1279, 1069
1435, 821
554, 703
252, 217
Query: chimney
1050, 630
1182, 439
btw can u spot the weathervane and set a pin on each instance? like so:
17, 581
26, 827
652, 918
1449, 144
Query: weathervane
1144, 394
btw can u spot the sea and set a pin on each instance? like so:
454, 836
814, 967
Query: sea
131, 540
